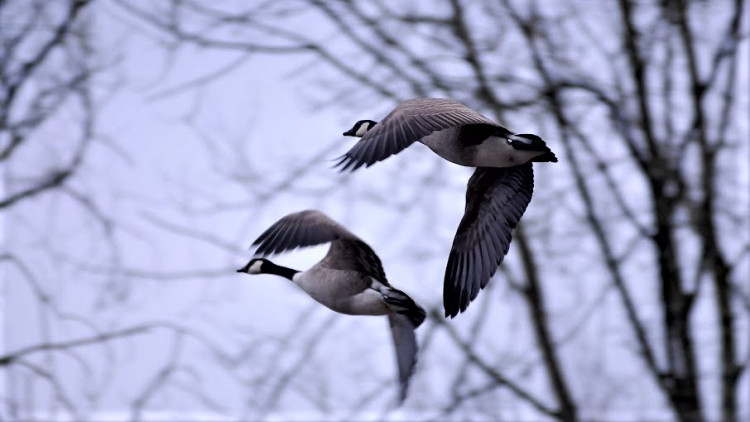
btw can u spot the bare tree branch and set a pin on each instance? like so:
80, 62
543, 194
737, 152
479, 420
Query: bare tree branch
11, 357
493, 373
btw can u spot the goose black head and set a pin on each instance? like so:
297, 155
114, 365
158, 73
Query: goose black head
532, 143
360, 128
527, 139
528, 142
255, 266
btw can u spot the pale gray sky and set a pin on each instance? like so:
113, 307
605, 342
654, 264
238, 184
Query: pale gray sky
192, 176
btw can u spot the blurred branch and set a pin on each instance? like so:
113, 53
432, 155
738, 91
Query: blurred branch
487, 369
202, 236
461, 374
297, 43
287, 375
712, 251
459, 398
201, 80
532, 291
342, 21
387, 38
10, 358
39, 292
169, 25
158, 380
56, 178
60, 392
462, 31
107, 222
195, 273
680, 382
638, 78
52, 181
12, 80
561, 67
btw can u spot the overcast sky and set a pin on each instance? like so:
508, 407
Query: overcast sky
191, 173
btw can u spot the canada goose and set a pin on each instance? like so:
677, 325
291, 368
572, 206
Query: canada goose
449, 128
349, 279
497, 193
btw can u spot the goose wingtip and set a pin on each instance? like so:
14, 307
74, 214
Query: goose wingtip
346, 164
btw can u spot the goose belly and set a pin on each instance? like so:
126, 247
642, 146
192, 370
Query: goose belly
491, 152
346, 292
445, 144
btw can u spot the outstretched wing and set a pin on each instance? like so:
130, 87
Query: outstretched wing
405, 345
312, 227
355, 254
300, 229
496, 198
409, 122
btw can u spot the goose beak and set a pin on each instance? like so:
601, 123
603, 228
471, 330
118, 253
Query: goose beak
350, 132
243, 269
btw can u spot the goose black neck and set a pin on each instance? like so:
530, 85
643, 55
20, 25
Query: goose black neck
271, 268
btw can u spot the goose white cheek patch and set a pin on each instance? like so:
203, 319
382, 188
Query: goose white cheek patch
519, 139
362, 129
255, 268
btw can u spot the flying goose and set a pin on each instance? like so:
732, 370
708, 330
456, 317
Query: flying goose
349, 279
497, 193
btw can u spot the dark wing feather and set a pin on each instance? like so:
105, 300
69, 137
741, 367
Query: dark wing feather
496, 198
475, 134
409, 122
405, 345
300, 229
354, 254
